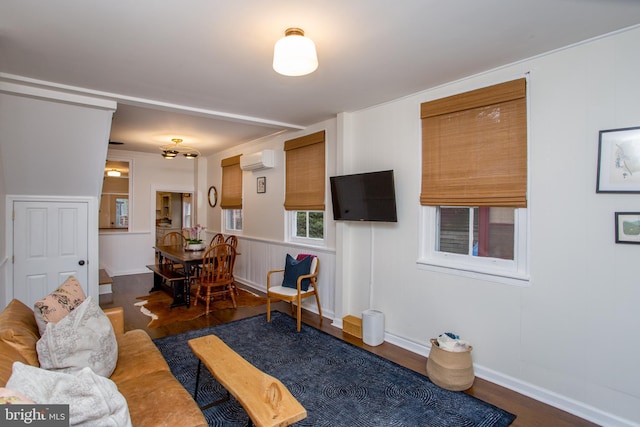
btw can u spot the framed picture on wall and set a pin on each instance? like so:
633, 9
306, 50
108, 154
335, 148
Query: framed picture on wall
619, 161
262, 184
628, 227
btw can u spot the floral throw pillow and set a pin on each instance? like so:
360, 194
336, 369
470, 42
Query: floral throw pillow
55, 306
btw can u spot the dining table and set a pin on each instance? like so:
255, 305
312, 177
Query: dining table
189, 259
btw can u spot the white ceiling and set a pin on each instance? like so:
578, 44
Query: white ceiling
201, 69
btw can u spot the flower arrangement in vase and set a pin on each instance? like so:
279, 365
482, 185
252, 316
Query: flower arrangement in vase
194, 242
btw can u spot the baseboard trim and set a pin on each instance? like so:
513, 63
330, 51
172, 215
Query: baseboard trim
540, 394
115, 273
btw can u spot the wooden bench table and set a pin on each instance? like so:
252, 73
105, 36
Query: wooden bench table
177, 280
178, 254
267, 401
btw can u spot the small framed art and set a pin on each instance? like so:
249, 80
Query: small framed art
628, 227
261, 184
619, 161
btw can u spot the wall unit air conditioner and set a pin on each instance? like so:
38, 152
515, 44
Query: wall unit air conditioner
264, 159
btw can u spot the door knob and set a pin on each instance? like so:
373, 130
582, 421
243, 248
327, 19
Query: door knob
81, 262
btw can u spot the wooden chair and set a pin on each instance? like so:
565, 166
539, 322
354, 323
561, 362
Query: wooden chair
217, 239
233, 241
295, 294
216, 278
173, 238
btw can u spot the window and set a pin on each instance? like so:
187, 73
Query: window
305, 187
114, 201
479, 231
233, 219
231, 198
122, 212
308, 225
186, 211
474, 182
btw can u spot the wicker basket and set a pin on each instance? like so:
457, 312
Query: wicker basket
450, 370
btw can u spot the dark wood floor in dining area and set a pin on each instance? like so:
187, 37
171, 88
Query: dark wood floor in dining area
529, 411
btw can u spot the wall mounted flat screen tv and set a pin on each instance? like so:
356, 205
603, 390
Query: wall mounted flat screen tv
367, 196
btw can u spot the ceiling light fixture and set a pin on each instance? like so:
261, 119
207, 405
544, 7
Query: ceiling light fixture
169, 154
295, 54
114, 172
171, 151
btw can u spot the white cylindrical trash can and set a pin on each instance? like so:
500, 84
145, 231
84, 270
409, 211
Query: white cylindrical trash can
372, 327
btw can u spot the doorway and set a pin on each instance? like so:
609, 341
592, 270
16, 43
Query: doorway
174, 212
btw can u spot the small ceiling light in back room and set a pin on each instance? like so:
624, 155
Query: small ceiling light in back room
295, 54
113, 172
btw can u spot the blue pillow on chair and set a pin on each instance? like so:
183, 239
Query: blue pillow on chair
294, 269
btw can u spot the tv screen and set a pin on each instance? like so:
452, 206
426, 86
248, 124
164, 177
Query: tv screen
364, 197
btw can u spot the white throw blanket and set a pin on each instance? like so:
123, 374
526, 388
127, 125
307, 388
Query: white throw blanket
93, 400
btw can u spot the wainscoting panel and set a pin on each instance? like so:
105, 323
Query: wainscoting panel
258, 256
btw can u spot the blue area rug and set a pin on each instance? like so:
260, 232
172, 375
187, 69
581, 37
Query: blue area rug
339, 384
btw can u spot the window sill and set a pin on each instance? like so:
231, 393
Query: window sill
310, 243
503, 277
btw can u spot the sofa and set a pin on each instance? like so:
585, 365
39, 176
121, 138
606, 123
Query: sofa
153, 395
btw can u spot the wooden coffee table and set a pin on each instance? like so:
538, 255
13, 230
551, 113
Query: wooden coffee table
267, 401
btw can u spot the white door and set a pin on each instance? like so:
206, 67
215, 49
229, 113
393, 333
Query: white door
49, 245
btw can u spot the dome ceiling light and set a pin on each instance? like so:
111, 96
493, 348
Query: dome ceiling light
295, 54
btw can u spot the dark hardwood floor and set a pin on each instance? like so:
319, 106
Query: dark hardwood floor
529, 411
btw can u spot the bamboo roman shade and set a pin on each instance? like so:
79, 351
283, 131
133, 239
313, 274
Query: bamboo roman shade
474, 148
305, 180
231, 183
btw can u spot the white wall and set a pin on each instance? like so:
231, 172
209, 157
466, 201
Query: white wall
262, 242
51, 144
49, 141
129, 252
571, 337
264, 212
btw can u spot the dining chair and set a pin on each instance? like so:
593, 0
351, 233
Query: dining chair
173, 238
300, 280
217, 239
232, 240
216, 277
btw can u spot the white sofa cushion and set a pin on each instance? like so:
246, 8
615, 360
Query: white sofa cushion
84, 338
